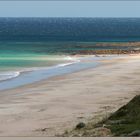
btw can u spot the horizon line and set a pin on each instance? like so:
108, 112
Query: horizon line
62, 17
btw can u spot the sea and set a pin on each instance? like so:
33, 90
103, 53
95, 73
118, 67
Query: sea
42, 47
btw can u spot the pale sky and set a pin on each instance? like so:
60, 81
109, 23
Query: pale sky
69, 8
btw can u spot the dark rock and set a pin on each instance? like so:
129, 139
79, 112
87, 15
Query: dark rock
80, 125
43, 129
134, 133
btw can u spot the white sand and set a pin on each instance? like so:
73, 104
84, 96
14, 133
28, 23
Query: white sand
50, 107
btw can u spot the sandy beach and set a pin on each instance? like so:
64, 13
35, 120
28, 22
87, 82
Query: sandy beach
49, 107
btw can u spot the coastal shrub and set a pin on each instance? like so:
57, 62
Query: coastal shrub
127, 119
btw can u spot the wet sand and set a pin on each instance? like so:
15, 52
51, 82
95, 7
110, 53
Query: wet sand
49, 107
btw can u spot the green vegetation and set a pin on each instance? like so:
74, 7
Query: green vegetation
124, 122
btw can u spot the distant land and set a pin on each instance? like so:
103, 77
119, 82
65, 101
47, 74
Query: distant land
110, 48
115, 44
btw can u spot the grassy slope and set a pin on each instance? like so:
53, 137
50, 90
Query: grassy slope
124, 122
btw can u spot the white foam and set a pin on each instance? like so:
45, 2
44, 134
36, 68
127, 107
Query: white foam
8, 75
68, 58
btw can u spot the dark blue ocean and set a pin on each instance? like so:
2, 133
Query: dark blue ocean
69, 29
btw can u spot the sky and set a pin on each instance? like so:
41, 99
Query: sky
70, 8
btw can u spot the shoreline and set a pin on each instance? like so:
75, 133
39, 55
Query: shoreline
36, 109
74, 61
13, 76
13, 73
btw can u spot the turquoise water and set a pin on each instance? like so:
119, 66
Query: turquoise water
26, 54
20, 61
17, 57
